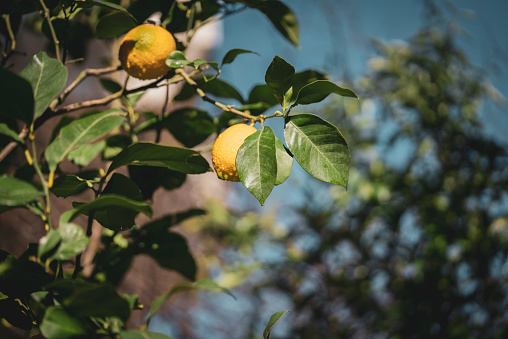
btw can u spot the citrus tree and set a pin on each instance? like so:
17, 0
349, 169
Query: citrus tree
45, 290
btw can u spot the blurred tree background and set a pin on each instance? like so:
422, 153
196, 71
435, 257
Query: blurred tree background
418, 245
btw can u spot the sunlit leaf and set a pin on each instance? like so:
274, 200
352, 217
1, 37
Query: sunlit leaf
139, 334
232, 54
256, 163
319, 90
5, 130
319, 148
84, 154
73, 241
284, 162
273, 320
57, 323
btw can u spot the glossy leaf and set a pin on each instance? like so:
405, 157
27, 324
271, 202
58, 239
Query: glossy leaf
106, 202
114, 24
47, 77
84, 154
319, 148
73, 241
15, 192
221, 89
67, 185
48, 243
319, 90
149, 154
279, 77
16, 96
80, 132
204, 285
139, 334
284, 162
5, 130
257, 164
232, 54
304, 78
190, 126
177, 59
60, 325
273, 320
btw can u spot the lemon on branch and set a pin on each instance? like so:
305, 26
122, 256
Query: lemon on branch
226, 148
144, 50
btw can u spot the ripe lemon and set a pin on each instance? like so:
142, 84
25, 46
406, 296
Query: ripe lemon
144, 50
226, 148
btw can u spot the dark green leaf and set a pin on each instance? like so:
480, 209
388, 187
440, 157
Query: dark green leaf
261, 96
110, 85
273, 319
114, 24
319, 90
15, 313
73, 241
21, 277
281, 17
84, 154
284, 162
149, 179
64, 121
139, 334
67, 185
221, 89
256, 163
15, 192
319, 148
80, 132
232, 54
47, 77
190, 126
304, 78
279, 77
48, 244
204, 285
114, 145
16, 96
59, 324
148, 154
5, 130
164, 223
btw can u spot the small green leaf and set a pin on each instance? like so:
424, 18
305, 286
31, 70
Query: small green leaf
205, 285
114, 24
139, 334
273, 320
59, 324
67, 185
319, 90
16, 96
80, 132
15, 192
110, 85
232, 54
48, 243
177, 59
5, 130
149, 154
284, 162
279, 77
256, 163
73, 241
190, 126
319, 148
221, 89
84, 154
106, 202
47, 77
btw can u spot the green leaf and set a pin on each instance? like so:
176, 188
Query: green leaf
190, 126
256, 163
15, 313
104, 4
232, 54
48, 243
261, 98
304, 78
221, 89
73, 241
164, 223
205, 285
284, 162
114, 24
139, 334
177, 59
119, 218
281, 17
21, 277
106, 202
114, 145
273, 319
319, 148
110, 85
15, 192
149, 179
279, 76
16, 96
47, 77
149, 154
67, 185
319, 90
80, 132
87, 299
5, 130
84, 154
58, 324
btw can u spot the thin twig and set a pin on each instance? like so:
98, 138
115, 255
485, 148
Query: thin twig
47, 15
12, 145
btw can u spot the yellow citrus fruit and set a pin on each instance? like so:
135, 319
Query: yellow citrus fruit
226, 148
144, 50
